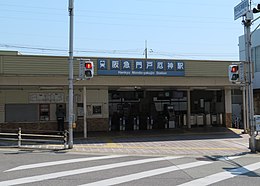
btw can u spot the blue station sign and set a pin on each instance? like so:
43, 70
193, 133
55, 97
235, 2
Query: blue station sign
119, 67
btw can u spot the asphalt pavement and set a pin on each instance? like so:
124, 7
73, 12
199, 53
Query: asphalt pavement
24, 167
198, 156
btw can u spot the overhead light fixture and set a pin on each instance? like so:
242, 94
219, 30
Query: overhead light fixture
198, 88
155, 89
213, 89
129, 88
51, 88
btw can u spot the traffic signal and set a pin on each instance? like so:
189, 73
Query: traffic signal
89, 69
257, 9
233, 72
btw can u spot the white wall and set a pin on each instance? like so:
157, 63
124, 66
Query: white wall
257, 80
255, 43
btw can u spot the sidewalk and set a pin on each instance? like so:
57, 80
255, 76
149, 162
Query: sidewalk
197, 141
216, 141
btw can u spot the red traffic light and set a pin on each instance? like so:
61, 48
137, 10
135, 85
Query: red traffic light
88, 65
234, 69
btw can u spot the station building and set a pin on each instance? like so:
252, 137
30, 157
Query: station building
255, 52
124, 94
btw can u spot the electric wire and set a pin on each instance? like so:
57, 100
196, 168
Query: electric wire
113, 16
125, 52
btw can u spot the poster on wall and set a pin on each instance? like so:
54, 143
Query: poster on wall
80, 110
89, 110
46, 97
2, 107
96, 109
257, 122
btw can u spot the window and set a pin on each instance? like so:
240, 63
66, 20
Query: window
96, 109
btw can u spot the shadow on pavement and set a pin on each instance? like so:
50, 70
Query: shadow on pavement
158, 135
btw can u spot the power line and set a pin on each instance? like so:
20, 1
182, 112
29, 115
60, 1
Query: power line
116, 51
87, 11
145, 17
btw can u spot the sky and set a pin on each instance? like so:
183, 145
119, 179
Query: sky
173, 29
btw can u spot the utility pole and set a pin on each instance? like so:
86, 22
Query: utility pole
145, 50
243, 9
71, 113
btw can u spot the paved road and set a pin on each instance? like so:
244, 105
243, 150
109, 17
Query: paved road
66, 168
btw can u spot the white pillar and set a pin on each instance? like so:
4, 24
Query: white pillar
85, 112
188, 108
246, 127
228, 107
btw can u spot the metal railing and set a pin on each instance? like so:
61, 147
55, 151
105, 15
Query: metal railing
35, 138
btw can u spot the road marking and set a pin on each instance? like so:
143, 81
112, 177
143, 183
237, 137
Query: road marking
214, 178
227, 158
45, 164
111, 144
80, 171
145, 174
118, 146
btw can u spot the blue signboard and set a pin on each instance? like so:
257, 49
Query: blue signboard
102, 64
117, 67
160, 66
180, 66
149, 65
170, 66
126, 65
115, 64
139, 65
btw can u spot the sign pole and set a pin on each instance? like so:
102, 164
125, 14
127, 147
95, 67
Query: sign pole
71, 115
247, 24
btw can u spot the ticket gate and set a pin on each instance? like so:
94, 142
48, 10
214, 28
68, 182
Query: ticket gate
126, 124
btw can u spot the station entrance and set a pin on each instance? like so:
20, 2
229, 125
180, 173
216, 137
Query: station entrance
145, 110
167, 109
